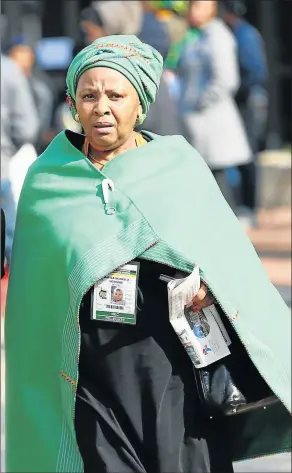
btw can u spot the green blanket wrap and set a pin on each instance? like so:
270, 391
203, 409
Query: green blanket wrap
168, 209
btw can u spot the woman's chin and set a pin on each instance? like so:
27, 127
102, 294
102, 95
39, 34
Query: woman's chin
105, 140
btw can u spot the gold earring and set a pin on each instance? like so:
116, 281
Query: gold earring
77, 119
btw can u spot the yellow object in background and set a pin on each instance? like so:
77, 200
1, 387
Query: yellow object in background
179, 6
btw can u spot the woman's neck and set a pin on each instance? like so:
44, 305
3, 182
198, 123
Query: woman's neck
101, 157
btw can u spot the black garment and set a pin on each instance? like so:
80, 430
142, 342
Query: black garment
137, 408
225, 187
248, 173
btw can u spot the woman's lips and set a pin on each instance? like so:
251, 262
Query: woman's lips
103, 128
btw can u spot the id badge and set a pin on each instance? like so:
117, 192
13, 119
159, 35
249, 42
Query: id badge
115, 296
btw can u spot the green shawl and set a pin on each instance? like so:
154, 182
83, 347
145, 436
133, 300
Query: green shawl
168, 209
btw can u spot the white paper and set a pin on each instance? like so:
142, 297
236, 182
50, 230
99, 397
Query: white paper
202, 333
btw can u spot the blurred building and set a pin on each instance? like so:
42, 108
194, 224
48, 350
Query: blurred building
53, 28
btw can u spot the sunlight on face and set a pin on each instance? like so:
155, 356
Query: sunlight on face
108, 106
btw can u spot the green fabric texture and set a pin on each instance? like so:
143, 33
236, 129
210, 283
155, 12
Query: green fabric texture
140, 63
168, 209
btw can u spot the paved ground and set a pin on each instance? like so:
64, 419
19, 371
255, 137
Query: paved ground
272, 241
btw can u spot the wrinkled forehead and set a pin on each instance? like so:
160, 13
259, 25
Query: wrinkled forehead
104, 78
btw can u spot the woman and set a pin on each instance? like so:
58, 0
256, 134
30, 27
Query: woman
209, 77
89, 389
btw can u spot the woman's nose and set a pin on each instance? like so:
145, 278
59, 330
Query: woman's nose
102, 106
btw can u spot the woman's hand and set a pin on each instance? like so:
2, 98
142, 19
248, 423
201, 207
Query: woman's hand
203, 298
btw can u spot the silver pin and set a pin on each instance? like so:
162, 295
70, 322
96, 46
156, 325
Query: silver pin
109, 210
108, 185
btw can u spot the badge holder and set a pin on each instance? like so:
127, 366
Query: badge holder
114, 298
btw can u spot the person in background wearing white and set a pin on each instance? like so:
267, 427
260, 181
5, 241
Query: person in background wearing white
209, 76
252, 98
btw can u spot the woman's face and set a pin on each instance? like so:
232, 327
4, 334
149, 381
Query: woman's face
201, 12
118, 296
108, 106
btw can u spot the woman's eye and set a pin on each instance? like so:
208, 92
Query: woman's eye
115, 96
88, 96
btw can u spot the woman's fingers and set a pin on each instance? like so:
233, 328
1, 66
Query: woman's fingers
202, 299
202, 293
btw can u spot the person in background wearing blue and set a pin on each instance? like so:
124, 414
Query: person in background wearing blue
252, 96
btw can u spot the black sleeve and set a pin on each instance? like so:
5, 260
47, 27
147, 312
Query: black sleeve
2, 243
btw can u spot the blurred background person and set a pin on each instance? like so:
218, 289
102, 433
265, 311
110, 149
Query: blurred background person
19, 125
23, 55
108, 17
172, 14
251, 97
209, 78
163, 117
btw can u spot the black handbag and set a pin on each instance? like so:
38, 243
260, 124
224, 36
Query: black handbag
221, 396
232, 385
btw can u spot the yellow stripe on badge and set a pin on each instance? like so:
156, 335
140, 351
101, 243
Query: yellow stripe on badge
123, 275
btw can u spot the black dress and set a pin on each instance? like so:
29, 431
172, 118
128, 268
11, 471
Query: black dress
137, 408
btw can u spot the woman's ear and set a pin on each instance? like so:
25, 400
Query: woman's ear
140, 116
140, 112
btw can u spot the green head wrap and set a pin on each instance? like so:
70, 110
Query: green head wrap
138, 62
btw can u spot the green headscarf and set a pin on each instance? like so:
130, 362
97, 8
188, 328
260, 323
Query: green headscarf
140, 63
